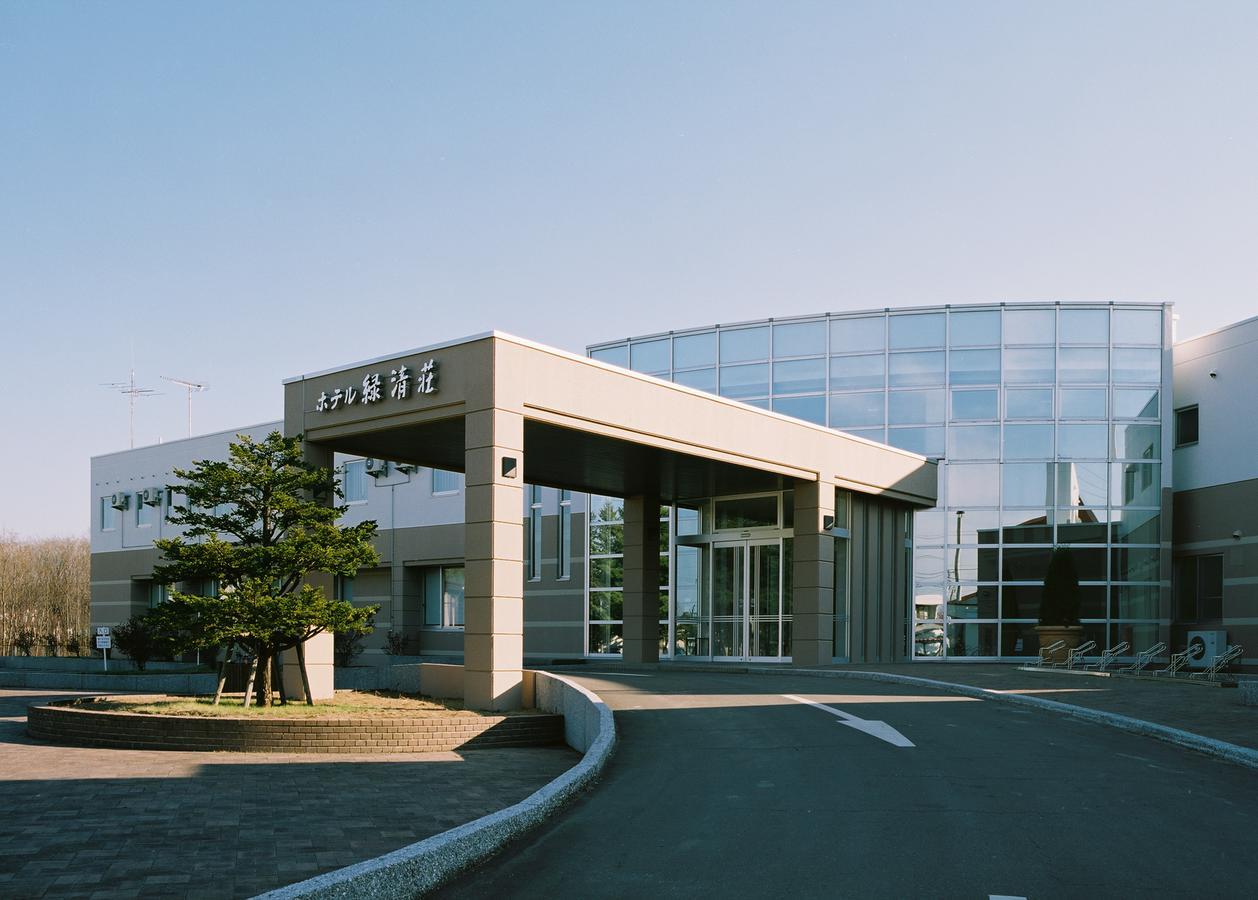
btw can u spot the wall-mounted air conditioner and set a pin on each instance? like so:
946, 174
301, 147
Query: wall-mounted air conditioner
1204, 646
406, 468
120, 500
152, 496
377, 467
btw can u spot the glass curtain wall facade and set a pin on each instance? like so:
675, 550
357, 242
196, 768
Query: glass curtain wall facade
1048, 420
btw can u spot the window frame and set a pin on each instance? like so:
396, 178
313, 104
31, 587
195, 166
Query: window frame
1195, 409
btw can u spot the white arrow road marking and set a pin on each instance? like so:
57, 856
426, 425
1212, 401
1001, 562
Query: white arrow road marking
880, 730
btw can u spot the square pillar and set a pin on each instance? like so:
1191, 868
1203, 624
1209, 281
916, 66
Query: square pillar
812, 642
318, 650
493, 610
642, 578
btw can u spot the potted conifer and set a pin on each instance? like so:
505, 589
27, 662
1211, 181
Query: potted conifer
1059, 607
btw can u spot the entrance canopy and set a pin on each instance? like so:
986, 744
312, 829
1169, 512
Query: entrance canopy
506, 411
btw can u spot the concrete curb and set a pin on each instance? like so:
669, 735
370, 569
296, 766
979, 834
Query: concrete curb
414, 870
1234, 753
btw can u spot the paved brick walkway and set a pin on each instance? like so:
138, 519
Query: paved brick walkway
82, 822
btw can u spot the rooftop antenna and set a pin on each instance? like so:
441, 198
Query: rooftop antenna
194, 387
128, 387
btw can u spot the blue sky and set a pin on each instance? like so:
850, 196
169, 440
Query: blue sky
251, 191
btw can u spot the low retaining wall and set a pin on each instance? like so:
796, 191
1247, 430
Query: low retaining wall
67, 723
414, 870
88, 664
1248, 693
168, 683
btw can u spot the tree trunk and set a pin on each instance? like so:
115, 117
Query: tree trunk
264, 679
253, 674
305, 676
222, 674
277, 668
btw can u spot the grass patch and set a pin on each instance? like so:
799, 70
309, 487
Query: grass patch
346, 704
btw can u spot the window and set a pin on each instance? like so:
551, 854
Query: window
691, 351
354, 481
156, 594
1186, 426
446, 482
443, 596
1199, 587
535, 533
108, 515
564, 543
145, 515
617, 356
343, 588
651, 357
744, 345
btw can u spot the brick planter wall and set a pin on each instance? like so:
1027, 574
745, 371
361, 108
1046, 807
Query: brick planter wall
66, 723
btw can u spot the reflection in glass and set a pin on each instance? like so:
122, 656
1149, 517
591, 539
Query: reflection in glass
974, 367
1025, 564
1082, 484
848, 410
1021, 601
738, 382
978, 526
1136, 403
970, 601
1083, 365
606, 639
1027, 484
1136, 484
744, 344
810, 408
1083, 403
972, 484
1030, 365
971, 639
1136, 563
974, 329
798, 376
1137, 442
972, 405
927, 441
1018, 638
1137, 326
1084, 326
916, 330
1081, 441
855, 372
858, 335
746, 512
1029, 326
651, 357
972, 564
915, 369
872, 434
915, 407
1135, 365
799, 339
1135, 601
928, 564
1026, 526
699, 379
1136, 526
974, 442
692, 350
1028, 441
617, 356
928, 527
1029, 403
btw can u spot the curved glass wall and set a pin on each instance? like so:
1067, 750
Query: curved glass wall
1047, 419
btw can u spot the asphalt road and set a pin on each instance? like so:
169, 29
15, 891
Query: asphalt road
721, 786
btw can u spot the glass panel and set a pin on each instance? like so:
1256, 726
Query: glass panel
1082, 526
1025, 526
617, 356
970, 405
1027, 484
972, 329
1029, 366
454, 590
928, 638
1137, 442
650, 357
691, 350
969, 601
1021, 601
856, 409
977, 526
810, 409
974, 367
870, 434
974, 639
699, 379
1136, 484
858, 335
928, 599
1137, 326
1135, 601
607, 539
765, 600
1083, 365
928, 526
917, 330
1136, 403
606, 605
1090, 566
1136, 526
1081, 441
1019, 639
1083, 403
1082, 484
972, 485
1136, 563
606, 638
926, 441
1029, 326
1029, 403
974, 442
914, 369
1029, 564
689, 520
728, 592
607, 573
747, 512
738, 382
432, 597
799, 376
799, 339
971, 563
1028, 442
915, 407
761, 402
1084, 326
928, 564
1140, 366
853, 372
744, 344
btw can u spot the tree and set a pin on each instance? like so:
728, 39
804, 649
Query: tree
1060, 603
257, 525
141, 638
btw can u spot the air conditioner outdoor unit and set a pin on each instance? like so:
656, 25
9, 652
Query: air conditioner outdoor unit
1204, 646
152, 496
119, 501
377, 467
407, 468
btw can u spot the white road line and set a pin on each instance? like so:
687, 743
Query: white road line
617, 674
1004, 897
880, 730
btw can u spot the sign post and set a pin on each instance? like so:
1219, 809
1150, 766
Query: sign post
103, 642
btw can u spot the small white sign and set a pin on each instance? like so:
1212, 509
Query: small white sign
104, 642
102, 631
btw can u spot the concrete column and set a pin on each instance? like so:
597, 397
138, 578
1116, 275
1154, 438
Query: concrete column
642, 578
813, 635
493, 632
318, 650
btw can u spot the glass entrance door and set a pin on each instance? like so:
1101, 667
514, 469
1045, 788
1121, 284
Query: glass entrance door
747, 608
